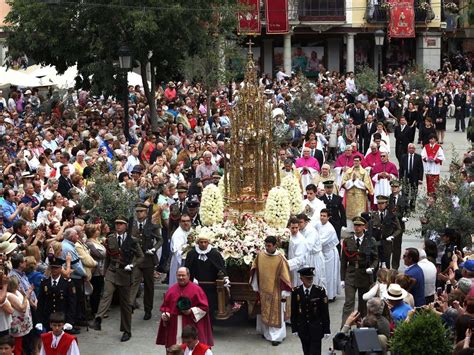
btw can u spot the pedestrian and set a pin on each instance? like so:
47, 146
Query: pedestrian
411, 258
310, 313
191, 343
433, 156
56, 341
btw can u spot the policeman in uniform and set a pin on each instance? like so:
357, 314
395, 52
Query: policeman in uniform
149, 237
56, 294
386, 228
310, 313
399, 205
192, 209
123, 253
359, 258
337, 212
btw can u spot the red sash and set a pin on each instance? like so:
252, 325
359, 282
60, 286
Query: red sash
432, 153
63, 345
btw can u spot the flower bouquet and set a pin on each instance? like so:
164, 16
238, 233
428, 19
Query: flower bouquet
291, 184
277, 208
212, 206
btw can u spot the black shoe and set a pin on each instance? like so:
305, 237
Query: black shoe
276, 343
97, 324
147, 316
456, 130
125, 336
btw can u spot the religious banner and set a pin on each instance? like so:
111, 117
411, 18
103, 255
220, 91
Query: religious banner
402, 19
276, 13
249, 17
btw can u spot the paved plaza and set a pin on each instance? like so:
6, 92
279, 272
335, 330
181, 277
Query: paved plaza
237, 335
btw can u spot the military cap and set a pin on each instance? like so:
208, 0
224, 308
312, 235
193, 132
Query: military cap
395, 183
359, 221
56, 262
382, 199
121, 219
328, 183
140, 207
192, 204
306, 271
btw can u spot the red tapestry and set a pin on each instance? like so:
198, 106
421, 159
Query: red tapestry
402, 19
249, 18
277, 16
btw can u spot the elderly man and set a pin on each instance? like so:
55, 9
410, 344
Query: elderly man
10, 210
205, 170
372, 158
382, 174
71, 236
184, 304
343, 162
411, 171
308, 167
205, 263
326, 175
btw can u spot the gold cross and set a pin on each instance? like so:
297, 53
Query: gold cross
250, 43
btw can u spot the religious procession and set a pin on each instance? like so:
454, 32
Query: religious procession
292, 207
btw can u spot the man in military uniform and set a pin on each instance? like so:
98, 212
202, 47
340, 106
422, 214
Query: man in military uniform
359, 258
123, 253
337, 212
310, 313
398, 204
149, 236
56, 295
386, 228
192, 209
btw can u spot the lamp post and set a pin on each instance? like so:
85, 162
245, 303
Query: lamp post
379, 38
125, 62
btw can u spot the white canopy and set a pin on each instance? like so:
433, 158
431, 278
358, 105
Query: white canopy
17, 78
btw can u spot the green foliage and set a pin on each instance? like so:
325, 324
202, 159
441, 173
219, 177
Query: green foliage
417, 80
366, 79
106, 199
423, 334
304, 106
451, 206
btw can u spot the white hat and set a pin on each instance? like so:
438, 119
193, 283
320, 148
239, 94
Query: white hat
268, 92
9, 121
28, 92
395, 292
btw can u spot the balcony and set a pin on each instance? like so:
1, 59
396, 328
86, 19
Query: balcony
380, 13
321, 10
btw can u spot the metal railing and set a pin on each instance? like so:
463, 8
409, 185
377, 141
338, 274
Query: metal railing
321, 9
379, 11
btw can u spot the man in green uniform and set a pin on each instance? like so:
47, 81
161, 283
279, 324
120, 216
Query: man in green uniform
359, 258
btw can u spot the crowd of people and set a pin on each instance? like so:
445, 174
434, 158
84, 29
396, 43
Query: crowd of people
62, 268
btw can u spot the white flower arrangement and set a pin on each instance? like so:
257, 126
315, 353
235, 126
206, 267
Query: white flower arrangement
291, 184
238, 242
221, 186
277, 208
212, 206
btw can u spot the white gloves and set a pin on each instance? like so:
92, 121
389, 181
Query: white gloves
390, 239
369, 271
226, 282
195, 281
39, 327
150, 251
67, 326
129, 267
404, 219
327, 336
343, 284
165, 316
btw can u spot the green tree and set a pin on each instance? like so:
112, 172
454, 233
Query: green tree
424, 333
89, 33
417, 80
366, 79
304, 106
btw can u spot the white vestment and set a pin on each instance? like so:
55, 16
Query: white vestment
382, 186
332, 264
307, 178
430, 167
315, 254
316, 206
178, 240
297, 254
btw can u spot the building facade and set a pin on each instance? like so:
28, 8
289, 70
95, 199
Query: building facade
339, 34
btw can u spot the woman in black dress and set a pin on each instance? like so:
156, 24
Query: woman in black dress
426, 131
438, 113
411, 114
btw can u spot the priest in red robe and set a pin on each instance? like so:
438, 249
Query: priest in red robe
185, 303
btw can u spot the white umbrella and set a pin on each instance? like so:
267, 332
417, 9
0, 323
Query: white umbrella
13, 77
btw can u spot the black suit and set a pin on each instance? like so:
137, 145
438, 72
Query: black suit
365, 136
460, 113
358, 115
402, 139
64, 185
412, 175
310, 317
60, 298
319, 156
337, 212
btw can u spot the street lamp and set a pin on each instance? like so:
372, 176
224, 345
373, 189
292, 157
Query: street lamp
125, 62
379, 38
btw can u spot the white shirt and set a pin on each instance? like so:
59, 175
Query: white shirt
187, 351
429, 273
